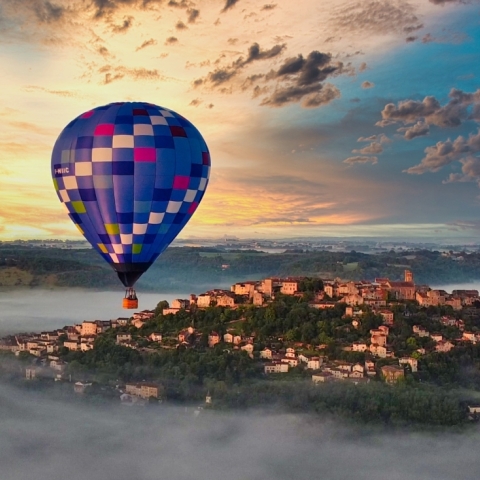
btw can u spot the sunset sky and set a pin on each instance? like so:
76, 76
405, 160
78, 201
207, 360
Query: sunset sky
330, 117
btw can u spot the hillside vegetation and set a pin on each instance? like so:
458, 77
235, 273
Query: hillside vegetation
196, 268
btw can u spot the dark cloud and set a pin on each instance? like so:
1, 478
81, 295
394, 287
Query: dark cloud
297, 79
307, 71
48, 12
180, 25
193, 14
367, 84
362, 67
420, 129
105, 8
224, 74
146, 43
431, 112
124, 26
444, 153
269, 6
361, 160
171, 40
311, 95
300, 79
256, 53
411, 39
181, 4
229, 4
195, 102
232, 41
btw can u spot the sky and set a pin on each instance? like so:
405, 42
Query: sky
332, 118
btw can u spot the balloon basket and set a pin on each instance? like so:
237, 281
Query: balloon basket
130, 304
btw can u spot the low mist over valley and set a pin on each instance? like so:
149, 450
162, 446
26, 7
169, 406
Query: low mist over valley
45, 438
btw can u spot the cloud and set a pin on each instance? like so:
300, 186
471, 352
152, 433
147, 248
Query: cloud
420, 129
375, 17
360, 160
193, 14
180, 25
103, 51
181, 4
373, 148
300, 78
412, 28
269, 6
411, 39
224, 74
367, 84
431, 112
444, 2
171, 41
470, 171
444, 153
124, 26
428, 38
112, 74
311, 95
48, 12
363, 66
146, 43
195, 102
382, 138
60, 93
229, 4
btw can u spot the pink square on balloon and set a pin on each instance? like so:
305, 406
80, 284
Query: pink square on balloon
192, 207
142, 154
87, 114
181, 182
104, 129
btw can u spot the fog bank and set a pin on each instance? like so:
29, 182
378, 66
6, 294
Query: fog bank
25, 309
46, 439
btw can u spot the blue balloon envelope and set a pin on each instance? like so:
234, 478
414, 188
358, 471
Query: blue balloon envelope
131, 175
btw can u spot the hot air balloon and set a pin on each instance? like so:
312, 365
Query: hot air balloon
131, 175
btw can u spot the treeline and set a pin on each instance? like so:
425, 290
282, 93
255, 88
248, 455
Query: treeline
185, 373
375, 402
187, 268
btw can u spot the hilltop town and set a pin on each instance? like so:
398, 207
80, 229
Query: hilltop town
321, 330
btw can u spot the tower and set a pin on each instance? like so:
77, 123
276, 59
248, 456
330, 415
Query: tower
408, 276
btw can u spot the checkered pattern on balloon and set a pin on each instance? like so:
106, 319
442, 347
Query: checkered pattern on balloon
131, 175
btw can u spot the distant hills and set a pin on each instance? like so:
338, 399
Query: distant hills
195, 268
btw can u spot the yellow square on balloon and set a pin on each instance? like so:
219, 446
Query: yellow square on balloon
79, 207
112, 228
